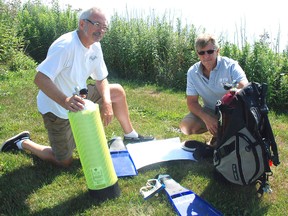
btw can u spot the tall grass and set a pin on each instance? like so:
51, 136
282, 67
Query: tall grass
160, 51
149, 50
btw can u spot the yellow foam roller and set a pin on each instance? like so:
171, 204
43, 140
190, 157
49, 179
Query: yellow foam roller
93, 150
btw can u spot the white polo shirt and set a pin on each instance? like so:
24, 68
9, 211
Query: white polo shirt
69, 64
211, 90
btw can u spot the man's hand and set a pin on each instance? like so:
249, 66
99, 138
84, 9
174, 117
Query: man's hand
74, 103
211, 124
107, 113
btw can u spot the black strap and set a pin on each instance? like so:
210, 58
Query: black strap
269, 133
254, 97
225, 150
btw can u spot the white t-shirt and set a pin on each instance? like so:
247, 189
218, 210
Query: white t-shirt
212, 89
69, 64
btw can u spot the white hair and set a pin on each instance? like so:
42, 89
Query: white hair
88, 12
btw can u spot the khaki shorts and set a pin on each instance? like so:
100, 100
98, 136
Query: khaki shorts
191, 117
59, 130
93, 94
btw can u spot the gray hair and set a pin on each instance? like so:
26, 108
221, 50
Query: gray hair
87, 13
204, 39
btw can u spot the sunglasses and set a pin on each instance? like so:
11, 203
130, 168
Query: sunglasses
98, 24
208, 52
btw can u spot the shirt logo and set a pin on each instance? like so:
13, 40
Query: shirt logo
223, 80
92, 58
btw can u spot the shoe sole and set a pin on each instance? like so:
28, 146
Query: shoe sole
196, 144
22, 133
187, 149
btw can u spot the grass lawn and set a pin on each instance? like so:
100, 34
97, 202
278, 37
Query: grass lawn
29, 186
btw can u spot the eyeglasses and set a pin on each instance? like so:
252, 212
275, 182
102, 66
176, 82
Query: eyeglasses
207, 51
98, 24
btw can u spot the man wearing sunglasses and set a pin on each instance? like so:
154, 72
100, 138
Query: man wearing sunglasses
71, 60
206, 79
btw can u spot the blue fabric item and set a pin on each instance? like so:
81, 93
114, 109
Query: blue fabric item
123, 163
184, 201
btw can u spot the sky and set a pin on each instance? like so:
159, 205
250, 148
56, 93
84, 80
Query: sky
220, 17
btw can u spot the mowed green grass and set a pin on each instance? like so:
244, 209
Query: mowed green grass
29, 186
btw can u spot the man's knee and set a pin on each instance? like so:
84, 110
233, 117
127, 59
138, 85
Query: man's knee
119, 88
117, 91
185, 128
189, 127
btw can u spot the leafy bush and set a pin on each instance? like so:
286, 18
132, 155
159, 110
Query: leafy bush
149, 50
11, 42
20, 61
42, 25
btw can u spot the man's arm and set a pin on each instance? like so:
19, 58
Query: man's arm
106, 108
45, 84
242, 83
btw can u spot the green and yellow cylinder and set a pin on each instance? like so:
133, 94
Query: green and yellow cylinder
95, 158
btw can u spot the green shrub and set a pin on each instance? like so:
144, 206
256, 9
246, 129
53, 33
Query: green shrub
20, 61
41, 25
11, 42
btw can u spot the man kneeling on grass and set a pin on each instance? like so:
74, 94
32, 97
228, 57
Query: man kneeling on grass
71, 59
206, 79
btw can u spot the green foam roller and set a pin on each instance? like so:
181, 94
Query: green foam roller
93, 151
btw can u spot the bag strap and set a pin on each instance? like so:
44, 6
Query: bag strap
224, 150
272, 143
268, 130
254, 95
228, 148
